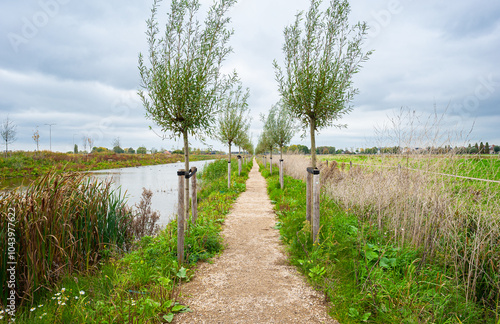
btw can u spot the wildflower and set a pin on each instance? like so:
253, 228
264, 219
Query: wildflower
39, 306
82, 292
63, 304
53, 297
57, 294
32, 309
1, 316
76, 297
63, 289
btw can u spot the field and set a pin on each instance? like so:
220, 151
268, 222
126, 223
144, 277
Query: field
481, 167
23, 166
400, 241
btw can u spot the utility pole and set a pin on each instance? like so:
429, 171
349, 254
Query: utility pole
50, 135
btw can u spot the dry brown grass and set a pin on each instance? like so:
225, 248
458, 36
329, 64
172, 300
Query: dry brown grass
454, 222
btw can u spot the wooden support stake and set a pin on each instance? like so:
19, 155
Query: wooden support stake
239, 165
194, 196
180, 217
281, 174
316, 192
309, 189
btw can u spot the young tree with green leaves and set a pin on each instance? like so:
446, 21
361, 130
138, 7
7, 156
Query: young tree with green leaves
233, 121
282, 125
322, 53
182, 83
267, 139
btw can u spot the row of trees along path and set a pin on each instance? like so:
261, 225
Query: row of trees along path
252, 281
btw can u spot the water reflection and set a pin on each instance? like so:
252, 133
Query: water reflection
160, 179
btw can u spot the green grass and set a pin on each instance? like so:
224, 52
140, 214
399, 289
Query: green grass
362, 274
142, 286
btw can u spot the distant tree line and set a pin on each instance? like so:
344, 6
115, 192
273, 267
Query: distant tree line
470, 149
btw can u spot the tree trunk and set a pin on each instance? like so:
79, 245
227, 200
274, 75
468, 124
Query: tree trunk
186, 183
229, 168
313, 143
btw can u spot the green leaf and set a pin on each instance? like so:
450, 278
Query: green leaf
371, 255
182, 273
353, 312
387, 263
165, 282
169, 318
167, 304
178, 308
366, 316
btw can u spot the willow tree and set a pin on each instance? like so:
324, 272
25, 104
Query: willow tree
267, 139
282, 125
182, 82
322, 53
233, 121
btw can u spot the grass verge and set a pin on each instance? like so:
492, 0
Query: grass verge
363, 274
142, 286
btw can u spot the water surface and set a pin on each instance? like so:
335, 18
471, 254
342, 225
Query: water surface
160, 179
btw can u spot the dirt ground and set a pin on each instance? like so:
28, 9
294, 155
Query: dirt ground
252, 281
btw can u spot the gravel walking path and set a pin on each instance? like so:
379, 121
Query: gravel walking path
252, 281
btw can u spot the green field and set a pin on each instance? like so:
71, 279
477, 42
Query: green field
481, 166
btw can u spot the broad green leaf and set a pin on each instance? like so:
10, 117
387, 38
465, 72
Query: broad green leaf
169, 318
178, 308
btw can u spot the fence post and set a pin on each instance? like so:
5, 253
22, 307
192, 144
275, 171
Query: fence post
309, 188
315, 216
271, 164
281, 174
194, 196
239, 165
180, 217
229, 174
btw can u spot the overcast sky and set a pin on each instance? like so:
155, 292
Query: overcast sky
74, 64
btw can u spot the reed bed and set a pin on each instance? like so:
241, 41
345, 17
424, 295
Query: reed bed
62, 224
453, 222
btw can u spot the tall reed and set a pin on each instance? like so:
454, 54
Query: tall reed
62, 223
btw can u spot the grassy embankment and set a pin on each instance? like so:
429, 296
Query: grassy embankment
30, 164
395, 247
103, 280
